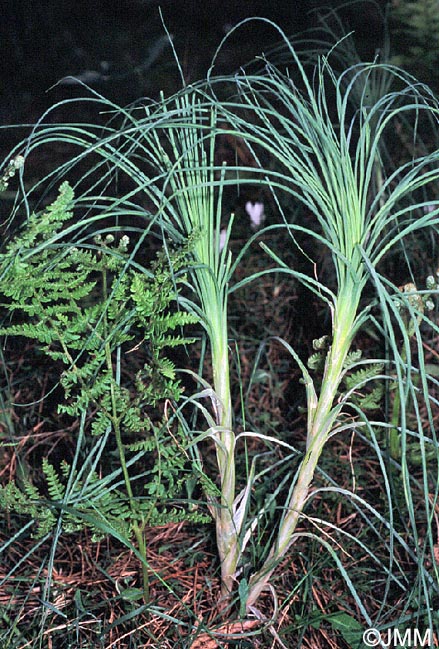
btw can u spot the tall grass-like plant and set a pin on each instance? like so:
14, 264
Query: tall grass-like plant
326, 135
191, 204
318, 139
167, 151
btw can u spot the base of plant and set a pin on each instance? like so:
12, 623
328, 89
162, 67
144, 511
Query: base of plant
230, 632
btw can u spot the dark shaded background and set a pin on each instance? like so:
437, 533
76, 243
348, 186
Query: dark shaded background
122, 43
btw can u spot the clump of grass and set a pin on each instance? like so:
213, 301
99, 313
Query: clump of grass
328, 155
320, 139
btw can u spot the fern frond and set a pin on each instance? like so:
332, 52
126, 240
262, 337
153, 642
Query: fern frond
81, 305
363, 375
54, 485
352, 358
316, 361
373, 399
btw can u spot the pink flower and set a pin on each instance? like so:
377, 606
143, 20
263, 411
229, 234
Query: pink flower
222, 239
256, 214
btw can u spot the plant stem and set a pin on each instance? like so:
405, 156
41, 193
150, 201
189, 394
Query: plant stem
394, 443
227, 536
322, 424
139, 531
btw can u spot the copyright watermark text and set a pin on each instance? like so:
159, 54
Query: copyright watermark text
397, 638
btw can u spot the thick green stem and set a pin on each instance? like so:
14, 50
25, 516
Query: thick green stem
322, 424
227, 535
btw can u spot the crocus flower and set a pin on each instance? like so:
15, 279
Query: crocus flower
222, 239
256, 214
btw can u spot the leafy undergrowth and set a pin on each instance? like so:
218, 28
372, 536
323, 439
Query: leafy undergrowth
90, 597
367, 545
70, 591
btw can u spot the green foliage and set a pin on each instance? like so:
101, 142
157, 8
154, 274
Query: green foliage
417, 23
348, 627
95, 504
84, 305
366, 389
411, 304
27, 502
317, 360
